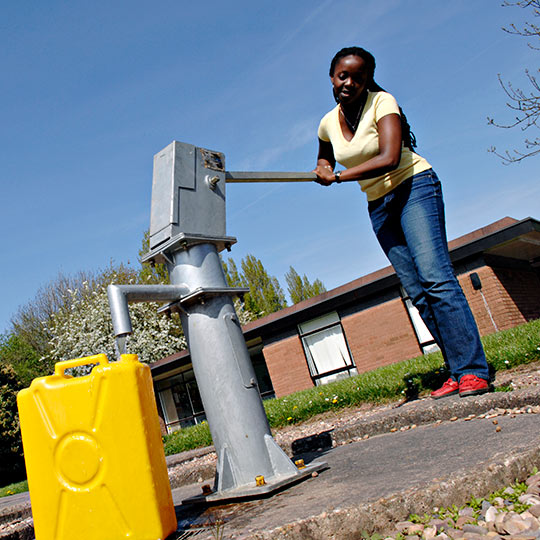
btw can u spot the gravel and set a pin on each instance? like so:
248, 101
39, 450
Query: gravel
498, 519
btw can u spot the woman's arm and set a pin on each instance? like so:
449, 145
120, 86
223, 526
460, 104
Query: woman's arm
387, 159
325, 163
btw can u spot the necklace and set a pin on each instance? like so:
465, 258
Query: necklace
353, 126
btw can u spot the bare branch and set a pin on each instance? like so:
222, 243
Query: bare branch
528, 29
515, 156
525, 104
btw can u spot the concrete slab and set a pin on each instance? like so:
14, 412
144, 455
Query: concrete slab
331, 505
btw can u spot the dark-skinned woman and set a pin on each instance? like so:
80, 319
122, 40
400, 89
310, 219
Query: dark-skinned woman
368, 134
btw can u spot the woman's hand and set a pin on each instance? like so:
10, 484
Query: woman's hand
325, 175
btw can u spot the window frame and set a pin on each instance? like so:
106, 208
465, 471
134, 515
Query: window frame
316, 376
195, 418
427, 346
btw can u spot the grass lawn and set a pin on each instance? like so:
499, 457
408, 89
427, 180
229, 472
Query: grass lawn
12, 489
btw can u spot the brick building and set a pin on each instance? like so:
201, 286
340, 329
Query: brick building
370, 322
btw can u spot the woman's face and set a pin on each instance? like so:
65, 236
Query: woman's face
350, 79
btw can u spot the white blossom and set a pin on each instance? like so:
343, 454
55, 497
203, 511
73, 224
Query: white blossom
84, 328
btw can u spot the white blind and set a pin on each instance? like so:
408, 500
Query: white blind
327, 350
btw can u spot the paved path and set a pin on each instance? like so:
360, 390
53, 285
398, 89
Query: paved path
366, 471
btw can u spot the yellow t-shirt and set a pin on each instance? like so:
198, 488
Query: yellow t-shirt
365, 145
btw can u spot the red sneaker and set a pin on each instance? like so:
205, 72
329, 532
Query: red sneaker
449, 388
471, 385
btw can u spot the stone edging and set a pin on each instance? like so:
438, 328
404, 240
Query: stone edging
428, 411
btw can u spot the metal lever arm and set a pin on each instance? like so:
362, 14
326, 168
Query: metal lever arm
237, 177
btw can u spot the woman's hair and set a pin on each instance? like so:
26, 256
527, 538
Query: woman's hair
409, 140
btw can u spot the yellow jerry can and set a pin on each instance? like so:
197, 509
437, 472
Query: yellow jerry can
94, 456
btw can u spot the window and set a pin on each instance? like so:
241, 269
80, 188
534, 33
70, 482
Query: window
425, 339
261, 372
326, 349
180, 401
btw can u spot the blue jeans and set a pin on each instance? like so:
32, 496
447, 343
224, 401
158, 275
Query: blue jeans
409, 224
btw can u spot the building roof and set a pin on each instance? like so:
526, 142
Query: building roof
506, 238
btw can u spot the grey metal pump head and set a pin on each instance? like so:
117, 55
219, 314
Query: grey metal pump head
188, 193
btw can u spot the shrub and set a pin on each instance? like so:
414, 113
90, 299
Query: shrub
11, 460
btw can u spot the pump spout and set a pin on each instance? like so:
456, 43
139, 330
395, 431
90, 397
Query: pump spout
121, 344
121, 295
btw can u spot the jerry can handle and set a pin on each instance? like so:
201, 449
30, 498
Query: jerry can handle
61, 367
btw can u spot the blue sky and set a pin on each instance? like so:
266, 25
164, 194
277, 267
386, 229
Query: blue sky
90, 91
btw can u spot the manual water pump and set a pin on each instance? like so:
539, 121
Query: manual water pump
187, 232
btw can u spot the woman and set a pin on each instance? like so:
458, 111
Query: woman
369, 135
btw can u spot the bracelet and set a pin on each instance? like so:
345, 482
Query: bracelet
338, 177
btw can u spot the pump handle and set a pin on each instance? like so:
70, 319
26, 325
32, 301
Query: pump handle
237, 177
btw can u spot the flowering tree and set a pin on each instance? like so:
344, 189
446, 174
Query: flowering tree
84, 327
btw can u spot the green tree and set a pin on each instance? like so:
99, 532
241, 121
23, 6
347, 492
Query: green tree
11, 461
23, 358
300, 288
525, 105
233, 277
265, 293
151, 273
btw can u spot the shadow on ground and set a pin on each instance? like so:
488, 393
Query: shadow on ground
429, 380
